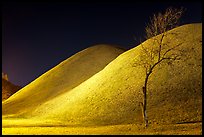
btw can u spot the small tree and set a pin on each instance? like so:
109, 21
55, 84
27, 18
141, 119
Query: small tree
160, 50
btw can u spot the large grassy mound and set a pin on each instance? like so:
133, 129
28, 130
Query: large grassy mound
64, 77
112, 96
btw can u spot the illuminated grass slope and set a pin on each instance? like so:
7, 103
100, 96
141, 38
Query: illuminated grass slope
112, 96
65, 76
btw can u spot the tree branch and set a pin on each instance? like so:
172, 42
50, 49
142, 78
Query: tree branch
170, 49
160, 46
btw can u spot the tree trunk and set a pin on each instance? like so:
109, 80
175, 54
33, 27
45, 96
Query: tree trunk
145, 106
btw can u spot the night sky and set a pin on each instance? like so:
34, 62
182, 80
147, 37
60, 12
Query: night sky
38, 36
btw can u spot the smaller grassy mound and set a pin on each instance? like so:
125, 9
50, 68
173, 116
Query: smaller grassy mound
8, 89
62, 78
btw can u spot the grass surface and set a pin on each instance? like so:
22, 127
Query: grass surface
130, 129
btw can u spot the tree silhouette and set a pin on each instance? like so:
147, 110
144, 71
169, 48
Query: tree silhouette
160, 50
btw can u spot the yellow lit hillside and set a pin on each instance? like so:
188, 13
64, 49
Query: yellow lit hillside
112, 96
62, 78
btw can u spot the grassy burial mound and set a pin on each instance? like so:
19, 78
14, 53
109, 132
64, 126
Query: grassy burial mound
8, 89
113, 95
62, 78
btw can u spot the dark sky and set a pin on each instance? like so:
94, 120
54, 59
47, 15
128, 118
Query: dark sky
38, 36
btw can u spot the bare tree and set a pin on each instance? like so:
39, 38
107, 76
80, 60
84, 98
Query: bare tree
160, 50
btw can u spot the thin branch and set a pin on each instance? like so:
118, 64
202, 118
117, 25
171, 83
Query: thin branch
160, 46
171, 49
